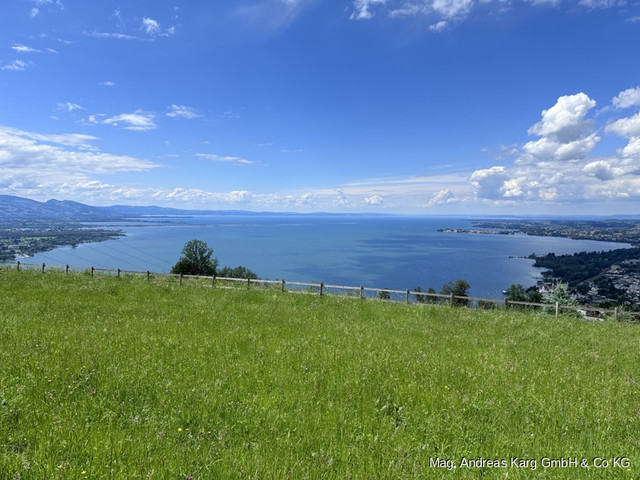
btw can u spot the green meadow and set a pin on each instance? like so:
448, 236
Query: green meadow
120, 378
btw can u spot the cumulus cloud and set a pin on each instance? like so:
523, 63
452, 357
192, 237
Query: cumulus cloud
627, 98
490, 182
558, 167
565, 120
600, 169
625, 127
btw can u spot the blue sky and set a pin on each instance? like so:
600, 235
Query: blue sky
398, 106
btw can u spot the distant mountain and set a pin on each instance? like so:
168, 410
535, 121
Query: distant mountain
14, 208
19, 208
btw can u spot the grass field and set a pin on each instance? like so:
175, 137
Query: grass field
106, 378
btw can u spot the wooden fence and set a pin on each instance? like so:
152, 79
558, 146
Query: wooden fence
319, 288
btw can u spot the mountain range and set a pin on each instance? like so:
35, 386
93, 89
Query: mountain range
13, 208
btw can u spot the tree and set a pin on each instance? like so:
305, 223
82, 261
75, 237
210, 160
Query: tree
237, 272
561, 295
457, 289
534, 295
196, 259
420, 298
516, 293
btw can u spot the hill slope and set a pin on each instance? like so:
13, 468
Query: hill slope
119, 378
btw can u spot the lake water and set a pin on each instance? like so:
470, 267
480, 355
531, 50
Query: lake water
374, 251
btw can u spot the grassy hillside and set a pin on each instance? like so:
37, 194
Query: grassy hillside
107, 378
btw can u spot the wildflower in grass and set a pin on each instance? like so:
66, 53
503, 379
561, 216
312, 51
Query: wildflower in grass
179, 429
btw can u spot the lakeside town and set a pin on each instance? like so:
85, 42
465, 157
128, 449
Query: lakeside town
595, 278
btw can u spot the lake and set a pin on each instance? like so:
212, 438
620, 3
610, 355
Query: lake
396, 252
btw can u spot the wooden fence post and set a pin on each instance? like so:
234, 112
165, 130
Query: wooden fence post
451, 300
361, 292
18, 265
92, 269
43, 265
118, 273
557, 309
282, 285
321, 288
148, 275
248, 283
213, 281
407, 295
66, 270
615, 314
180, 279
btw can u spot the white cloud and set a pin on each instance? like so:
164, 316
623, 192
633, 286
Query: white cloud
442, 14
150, 26
18, 47
443, 197
373, 200
137, 121
107, 84
78, 140
490, 182
16, 65
409, 10
600, 169
452, 8
53, 162
627, 98
362, 9
68, 106
182, 111
34, 12
224, 159
439, 26
58, 3
119, 36
625, 127
632, 151
557, 167
565, 120
594, 4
